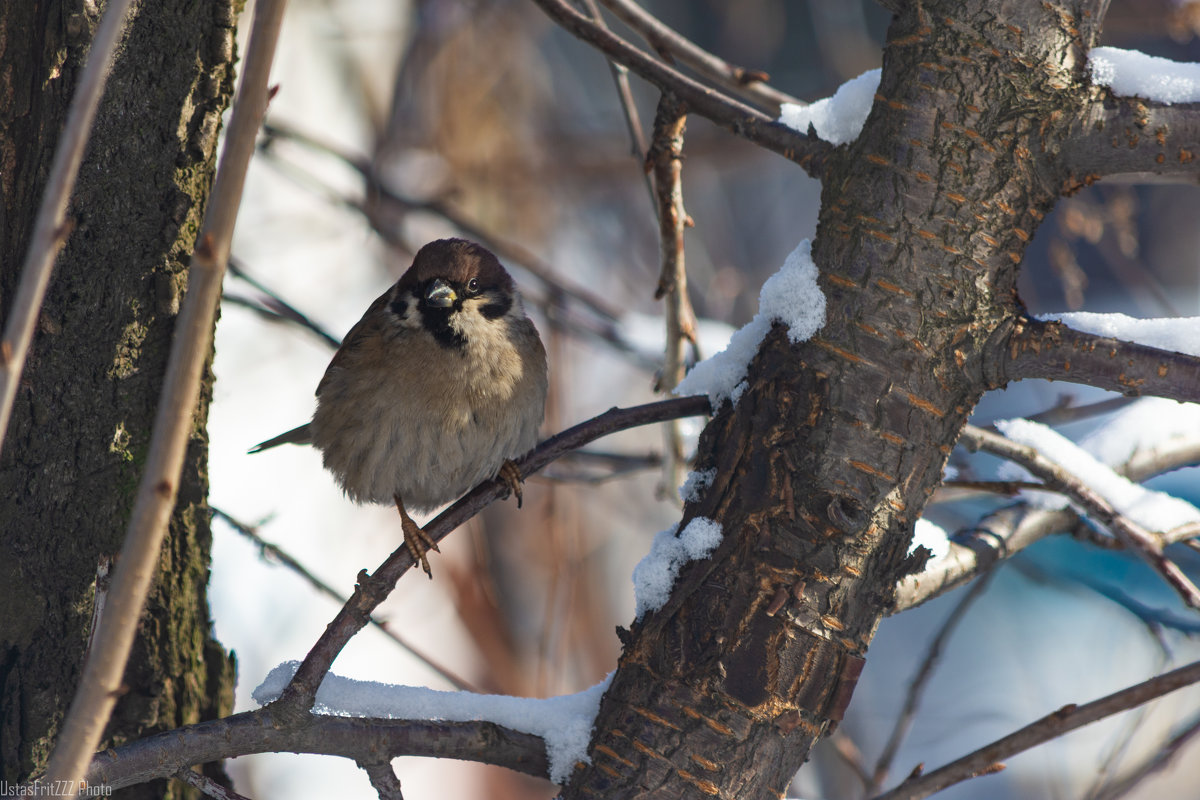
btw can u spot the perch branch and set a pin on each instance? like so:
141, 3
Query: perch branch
1068, 718
101, 681
50, 229
741, 119
373, 588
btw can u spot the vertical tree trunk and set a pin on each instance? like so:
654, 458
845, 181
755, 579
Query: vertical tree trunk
835, 447
83, 413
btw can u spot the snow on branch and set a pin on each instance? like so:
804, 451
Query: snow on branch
564, 723
1130, 72
838, 119
1089, 498
1159, 357
790, 296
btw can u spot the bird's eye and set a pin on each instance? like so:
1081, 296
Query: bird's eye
473, 286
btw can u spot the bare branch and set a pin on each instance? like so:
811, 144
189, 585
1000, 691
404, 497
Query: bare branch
1132, 136
633, 122
207, 785
372, 589
50, 229
1137, 538
913, 698
277, 308
1053, 351
383, 779
101, 681
164, 754
1010, 530
1068, 718
665, 160
1161, 759
669, 44
728, 113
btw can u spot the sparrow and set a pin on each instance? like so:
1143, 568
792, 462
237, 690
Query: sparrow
439, 385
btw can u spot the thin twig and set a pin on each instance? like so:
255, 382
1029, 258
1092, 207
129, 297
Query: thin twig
101, 681
207, 785
633, 122
50, 229
279, 308
372, 589
283, 557
1068, 718
1161, 759
912, 700
669, 44
1137, 538
731, 114
665, 159
383, 779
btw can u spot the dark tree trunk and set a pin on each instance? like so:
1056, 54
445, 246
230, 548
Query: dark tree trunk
832, 453
81, 424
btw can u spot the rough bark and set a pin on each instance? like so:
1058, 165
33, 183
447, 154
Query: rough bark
829, 457
82, 419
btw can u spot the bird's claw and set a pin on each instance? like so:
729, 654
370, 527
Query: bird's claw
510, 475
416, 539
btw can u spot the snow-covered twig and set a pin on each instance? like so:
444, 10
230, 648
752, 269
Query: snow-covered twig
988, 759
1140, 540
1012, 529
192, 345
50, 229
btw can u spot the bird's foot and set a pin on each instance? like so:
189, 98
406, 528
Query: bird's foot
416, 539
511, 476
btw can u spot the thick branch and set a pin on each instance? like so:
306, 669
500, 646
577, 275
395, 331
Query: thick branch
743, 120
1067, 718
165, 754
1132, 136
372, 589
1052, 351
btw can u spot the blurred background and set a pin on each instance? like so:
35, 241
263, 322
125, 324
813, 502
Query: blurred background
397, 123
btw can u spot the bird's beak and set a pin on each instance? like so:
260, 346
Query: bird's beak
440, 295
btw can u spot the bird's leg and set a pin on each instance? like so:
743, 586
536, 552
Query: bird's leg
416, 539
511, 475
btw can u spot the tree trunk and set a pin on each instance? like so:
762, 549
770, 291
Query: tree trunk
81, 424
831, 454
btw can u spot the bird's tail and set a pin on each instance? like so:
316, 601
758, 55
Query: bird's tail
301, 435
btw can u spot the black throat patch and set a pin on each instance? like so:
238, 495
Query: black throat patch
437, 322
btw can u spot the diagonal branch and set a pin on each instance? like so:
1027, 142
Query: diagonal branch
669, 44
372, 589
1068, 718
164, 754
1052, 351
1012, 529
757, 127
1137, 538
1132, 136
